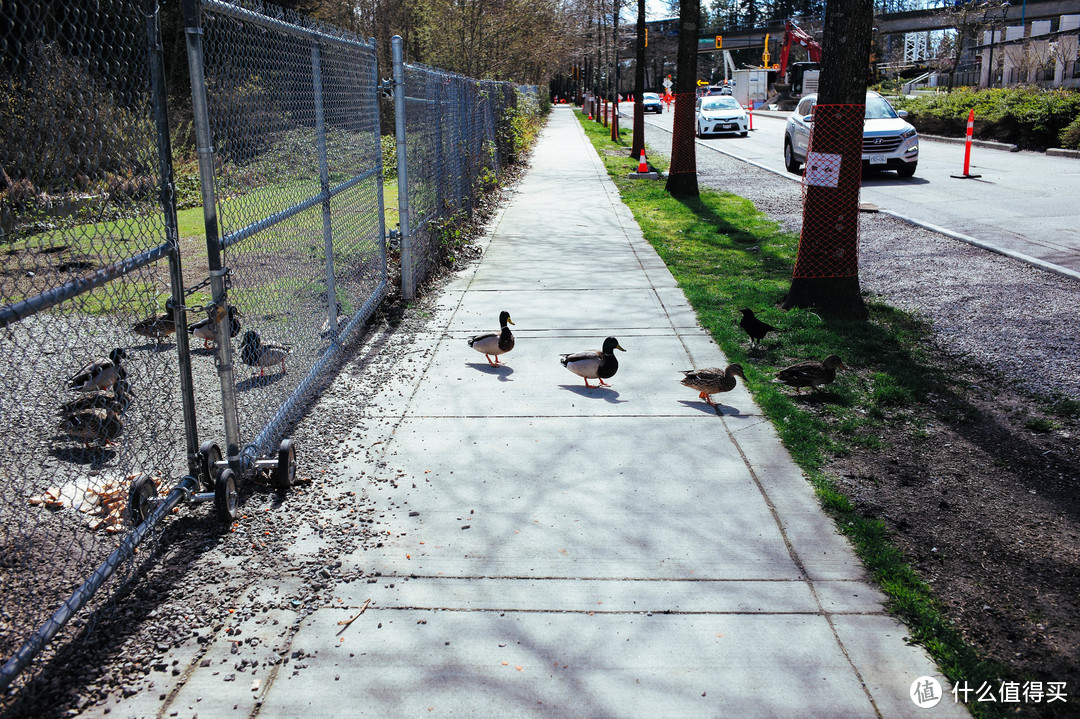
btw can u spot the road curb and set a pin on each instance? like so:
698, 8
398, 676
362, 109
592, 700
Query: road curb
981, 244
988, 144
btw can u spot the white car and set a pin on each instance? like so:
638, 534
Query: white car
889, 141
650, 102
720, 113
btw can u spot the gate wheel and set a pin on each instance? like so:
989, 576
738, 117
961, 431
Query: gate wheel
285, 472
226, 498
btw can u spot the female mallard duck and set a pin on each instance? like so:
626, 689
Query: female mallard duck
96, 424
156, 328
712, 380
204, 329
594, 364
256, 353
495, 343
101, 373
811, 373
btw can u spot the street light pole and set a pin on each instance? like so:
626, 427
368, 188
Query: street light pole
989, 15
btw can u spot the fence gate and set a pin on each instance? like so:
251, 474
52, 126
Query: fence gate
98, 376
286, 115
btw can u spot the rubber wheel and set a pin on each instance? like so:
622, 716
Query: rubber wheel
907, 170
790, 162
697, 131
285, 472
209, 456
744, 133
140, 494
226, 499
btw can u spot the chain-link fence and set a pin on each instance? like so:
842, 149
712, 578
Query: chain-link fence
129, 336
88, 359
297, 169
459, 137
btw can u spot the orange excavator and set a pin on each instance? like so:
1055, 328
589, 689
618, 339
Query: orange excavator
788, 84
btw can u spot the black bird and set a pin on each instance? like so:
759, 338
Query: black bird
755, 327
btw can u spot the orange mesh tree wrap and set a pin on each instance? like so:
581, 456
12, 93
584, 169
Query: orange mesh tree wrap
829, 244
683, 151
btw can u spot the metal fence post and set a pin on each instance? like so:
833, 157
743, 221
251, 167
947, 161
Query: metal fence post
324, 182
408, 284
172, 235
204, 146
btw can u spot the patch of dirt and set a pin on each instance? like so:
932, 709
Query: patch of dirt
984, 502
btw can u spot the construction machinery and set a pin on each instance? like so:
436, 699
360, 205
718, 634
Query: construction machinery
790, 85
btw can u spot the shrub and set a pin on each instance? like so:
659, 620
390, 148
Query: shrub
1070, 136
1031, 117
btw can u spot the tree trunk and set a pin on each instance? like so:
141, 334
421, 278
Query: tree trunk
638, 146
826, 273
682, 174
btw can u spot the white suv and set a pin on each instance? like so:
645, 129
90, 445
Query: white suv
889, 142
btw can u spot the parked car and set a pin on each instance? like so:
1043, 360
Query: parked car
889, 141
718, 114
650, 102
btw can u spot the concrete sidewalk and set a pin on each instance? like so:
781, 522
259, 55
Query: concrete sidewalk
563, 551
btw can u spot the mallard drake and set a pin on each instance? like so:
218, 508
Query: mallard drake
811, 373
98, 374
117, 399
495, 343
712, 380
255, 352
204, 329
594, 364
97, 424
754, 327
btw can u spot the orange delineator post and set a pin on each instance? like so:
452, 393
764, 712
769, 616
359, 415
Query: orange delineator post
967, 145
967, 149
750, 114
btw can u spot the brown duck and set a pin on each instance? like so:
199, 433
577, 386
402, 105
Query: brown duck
712, 380
811, 373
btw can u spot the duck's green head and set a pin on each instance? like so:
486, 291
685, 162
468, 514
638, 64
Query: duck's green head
251, 337
117, 355
611, 344
504, 319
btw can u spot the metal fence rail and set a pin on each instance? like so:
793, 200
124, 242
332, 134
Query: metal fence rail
457, 139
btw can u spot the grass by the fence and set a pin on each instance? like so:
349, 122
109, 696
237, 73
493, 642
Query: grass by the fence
726, 255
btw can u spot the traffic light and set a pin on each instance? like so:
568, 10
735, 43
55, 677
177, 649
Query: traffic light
719, 42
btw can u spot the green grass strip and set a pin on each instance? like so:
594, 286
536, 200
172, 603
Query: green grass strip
726, 255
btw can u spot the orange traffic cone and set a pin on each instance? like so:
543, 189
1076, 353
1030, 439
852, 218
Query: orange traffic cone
642, 165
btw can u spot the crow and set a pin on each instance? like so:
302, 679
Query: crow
755, 327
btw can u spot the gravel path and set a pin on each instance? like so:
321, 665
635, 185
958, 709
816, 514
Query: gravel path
996, 311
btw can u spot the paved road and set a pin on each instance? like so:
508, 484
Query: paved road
1025, 203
